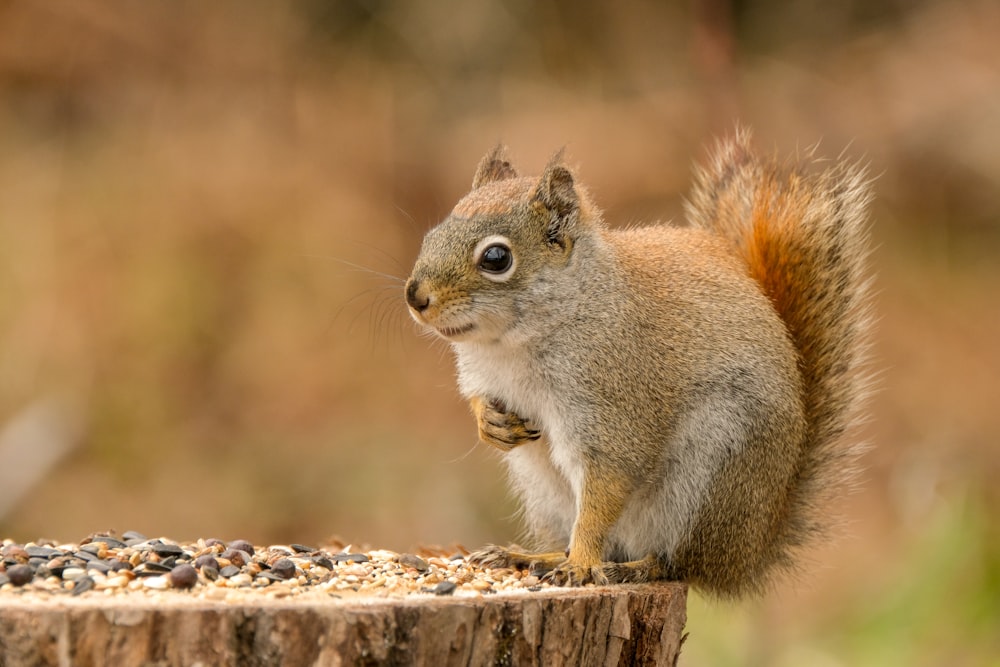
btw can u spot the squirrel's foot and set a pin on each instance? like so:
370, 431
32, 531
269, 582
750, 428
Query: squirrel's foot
633, 572
649, 568
495, 557
568, 573
499, 427
555, 568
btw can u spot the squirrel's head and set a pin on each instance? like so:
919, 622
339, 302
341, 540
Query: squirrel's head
499, 252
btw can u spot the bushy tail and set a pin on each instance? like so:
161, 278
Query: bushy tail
804, 236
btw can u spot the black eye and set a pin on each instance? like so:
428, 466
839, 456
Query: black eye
496, 258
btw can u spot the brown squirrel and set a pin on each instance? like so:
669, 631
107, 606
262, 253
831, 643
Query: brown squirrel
672, 402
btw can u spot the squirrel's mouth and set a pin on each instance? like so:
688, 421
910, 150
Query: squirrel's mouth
454, 332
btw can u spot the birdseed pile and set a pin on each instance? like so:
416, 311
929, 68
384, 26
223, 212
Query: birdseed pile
212, 569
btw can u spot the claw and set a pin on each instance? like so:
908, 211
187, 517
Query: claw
568, 574
491, 556
557, 569
495, 557
540, 569
501, 428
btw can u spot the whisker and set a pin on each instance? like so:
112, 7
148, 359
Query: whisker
360, 268
384, 308
383, 253
464, 456
413, 227
354, 299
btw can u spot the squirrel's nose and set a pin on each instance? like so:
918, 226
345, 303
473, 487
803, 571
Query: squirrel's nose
415, 297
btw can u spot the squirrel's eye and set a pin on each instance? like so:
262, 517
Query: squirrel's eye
496, 258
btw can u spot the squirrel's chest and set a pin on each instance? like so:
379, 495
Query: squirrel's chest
517, 379
531, 390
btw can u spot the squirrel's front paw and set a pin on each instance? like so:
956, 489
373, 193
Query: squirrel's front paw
499, 427
571, 574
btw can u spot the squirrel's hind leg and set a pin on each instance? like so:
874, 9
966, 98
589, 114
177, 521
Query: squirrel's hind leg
496, 557
650, 568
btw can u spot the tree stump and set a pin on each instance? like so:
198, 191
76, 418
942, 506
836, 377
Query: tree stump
615, 625
139, 601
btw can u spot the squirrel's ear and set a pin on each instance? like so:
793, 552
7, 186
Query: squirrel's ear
493, 167
556, 192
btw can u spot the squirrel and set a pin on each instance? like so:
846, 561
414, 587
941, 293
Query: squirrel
672, 402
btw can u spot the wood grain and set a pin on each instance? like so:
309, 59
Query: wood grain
620, 625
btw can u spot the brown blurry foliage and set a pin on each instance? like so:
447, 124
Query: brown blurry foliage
206, 210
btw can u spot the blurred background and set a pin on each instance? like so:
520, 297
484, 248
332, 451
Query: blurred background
207, 211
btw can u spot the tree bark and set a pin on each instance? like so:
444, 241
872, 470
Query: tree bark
619, 625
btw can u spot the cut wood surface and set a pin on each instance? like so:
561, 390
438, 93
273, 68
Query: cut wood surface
619, 625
